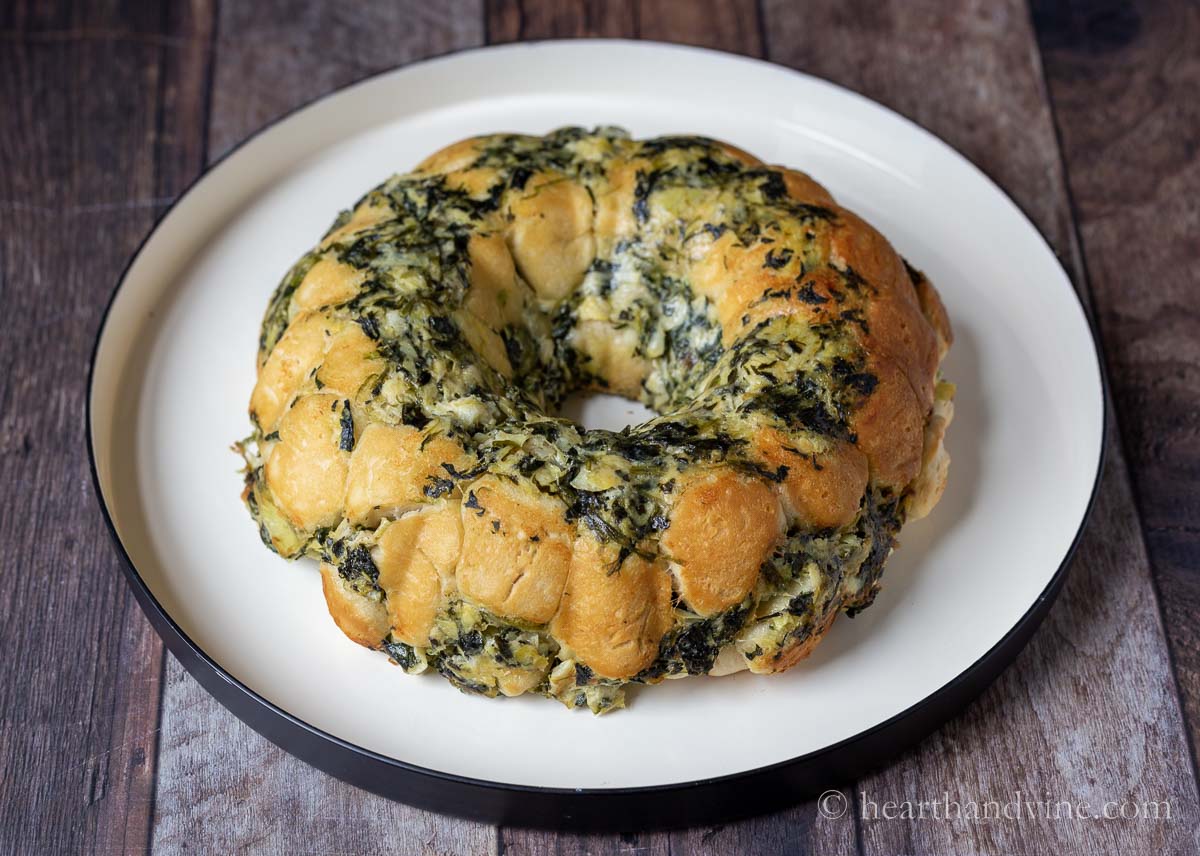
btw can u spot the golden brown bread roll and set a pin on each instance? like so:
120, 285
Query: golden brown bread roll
411, 364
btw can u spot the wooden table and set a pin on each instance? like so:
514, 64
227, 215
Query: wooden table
1088, 113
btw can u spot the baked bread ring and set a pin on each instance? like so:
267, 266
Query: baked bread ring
410, 366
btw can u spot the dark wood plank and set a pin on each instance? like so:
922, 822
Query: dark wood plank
1089, 711
518, 20
798, 830
221, 787
86, 169
1125, 86
729, 25
275, 56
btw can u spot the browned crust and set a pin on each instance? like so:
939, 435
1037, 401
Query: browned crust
551, 237
935, 312
516, 550
613, 613
306, 469
362, 620
799, 649
288, 366
390, 469
496, 299
825, 479
364, 217
351, 361
723, 527
327, 283
738, 154
804, 188
890, 426
746, 290
416, 557
454, 157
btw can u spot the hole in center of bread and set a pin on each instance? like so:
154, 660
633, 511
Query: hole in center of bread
598, 410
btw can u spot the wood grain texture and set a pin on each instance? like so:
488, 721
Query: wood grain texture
518, 20
86, 167
1089, 711
275, 56
797, 830
221, 786
1124, 81
728, 25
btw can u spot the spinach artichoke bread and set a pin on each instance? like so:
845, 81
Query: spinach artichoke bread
410, 366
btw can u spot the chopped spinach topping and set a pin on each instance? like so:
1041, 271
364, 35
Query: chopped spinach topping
775, 261
346, 437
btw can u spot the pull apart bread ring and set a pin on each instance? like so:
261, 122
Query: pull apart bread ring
410, 366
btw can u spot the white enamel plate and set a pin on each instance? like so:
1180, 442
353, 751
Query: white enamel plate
174, 367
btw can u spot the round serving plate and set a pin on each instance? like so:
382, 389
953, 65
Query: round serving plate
174, 366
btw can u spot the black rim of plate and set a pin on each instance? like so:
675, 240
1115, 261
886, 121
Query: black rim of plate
704, 801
